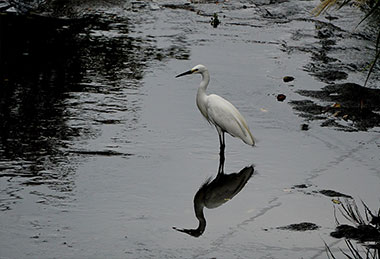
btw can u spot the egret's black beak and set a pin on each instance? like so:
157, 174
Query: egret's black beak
185, 73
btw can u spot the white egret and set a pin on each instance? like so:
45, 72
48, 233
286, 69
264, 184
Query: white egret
220, 112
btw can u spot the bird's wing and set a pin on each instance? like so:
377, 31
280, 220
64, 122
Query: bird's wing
224, 115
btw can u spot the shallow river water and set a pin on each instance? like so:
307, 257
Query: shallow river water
102, 149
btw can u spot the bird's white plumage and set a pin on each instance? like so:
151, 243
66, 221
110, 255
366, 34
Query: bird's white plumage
219, 111
227, 118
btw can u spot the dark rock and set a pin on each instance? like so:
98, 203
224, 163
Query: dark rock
287, 79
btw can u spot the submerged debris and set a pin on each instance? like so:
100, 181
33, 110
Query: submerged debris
331, 193
303, 188
303, 226
354, 107
300, 186
305, 127
331, 75
215, 20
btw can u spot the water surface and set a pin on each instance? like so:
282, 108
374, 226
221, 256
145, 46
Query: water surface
102, 150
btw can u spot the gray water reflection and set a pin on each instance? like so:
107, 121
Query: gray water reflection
39, 64
216, 192
61, 80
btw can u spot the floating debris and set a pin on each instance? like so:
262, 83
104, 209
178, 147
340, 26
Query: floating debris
304, 126
281, 97
300, 186
336, 105
215, 20
331, 193
336, 201
287, 79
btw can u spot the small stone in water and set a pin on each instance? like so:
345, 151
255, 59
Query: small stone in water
281, 97
288, 79
304, 126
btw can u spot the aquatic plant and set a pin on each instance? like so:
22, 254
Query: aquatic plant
366, 230
354, 252
371, 9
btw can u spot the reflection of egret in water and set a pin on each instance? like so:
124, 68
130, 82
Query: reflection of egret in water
214, 193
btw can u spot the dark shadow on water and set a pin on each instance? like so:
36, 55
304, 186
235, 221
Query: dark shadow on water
46, 63
356, 107
39, 64
44, 59
215, 192
349, 106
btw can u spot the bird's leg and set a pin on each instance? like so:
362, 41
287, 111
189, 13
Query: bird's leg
222, 147
221, 165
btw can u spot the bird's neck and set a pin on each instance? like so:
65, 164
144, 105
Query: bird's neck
205, 81
198, 207
201, 94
